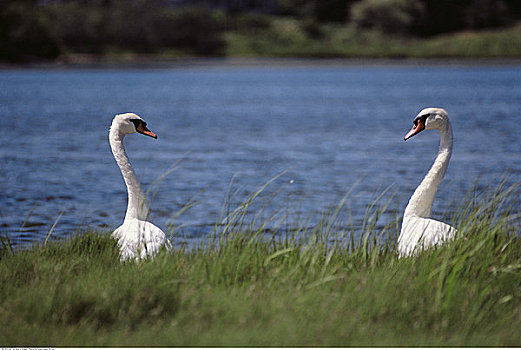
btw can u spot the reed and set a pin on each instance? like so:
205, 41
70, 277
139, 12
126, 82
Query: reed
331, 284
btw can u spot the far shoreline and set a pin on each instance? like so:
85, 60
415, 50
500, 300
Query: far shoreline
155, 62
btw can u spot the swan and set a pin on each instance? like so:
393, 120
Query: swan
137, 237
418, 230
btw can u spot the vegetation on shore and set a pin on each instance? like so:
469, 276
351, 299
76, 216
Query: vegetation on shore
288, 37
119, 30
317, 286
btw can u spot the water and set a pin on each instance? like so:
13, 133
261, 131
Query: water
332, 128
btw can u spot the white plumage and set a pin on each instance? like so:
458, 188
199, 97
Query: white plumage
139, 239
137, 236
419, 231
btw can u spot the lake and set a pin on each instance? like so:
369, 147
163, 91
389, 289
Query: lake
229, 130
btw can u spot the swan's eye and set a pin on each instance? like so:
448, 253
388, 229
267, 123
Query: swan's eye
137, 122
421, 119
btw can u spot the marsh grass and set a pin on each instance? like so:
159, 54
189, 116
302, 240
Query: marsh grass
330, 284
287, 37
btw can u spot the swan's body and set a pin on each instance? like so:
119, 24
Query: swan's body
137, 236
419, 231
139, 239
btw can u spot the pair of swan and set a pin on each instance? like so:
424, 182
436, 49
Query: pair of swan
138, 237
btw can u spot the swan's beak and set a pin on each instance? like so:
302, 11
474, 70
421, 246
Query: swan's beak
416, 129
142, 129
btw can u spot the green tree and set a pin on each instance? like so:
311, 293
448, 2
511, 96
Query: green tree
300, 8
79, 27
322, 11
446, 15
486, 13
388, 16
196, 29
24, 32
145, 26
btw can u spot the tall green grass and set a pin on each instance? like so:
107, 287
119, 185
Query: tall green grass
287, 37
329, 284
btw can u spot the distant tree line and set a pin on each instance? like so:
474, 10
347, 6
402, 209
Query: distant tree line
32, 28
47, 28
416, 17
431, 17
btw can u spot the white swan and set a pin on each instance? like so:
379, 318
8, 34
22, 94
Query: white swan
137, 237
418, 230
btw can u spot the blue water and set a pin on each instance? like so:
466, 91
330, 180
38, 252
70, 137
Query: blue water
232, 129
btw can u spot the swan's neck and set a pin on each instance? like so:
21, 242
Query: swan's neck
421, 201
137, 205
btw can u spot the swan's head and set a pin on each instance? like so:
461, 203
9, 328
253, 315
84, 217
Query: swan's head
130, 123
428, 119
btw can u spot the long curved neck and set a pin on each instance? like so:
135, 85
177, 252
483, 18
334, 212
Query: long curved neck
421, 201
137, 205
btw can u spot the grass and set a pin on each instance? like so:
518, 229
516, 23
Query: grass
287, 37
247, 287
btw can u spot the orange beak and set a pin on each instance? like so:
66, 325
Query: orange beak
416, 129
142, 129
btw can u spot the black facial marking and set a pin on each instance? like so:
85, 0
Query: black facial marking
421, 118
137, 122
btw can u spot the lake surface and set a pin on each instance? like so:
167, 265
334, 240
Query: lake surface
232, 129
